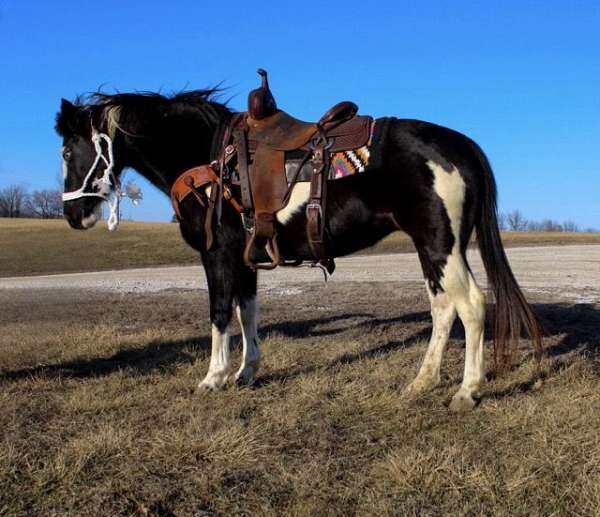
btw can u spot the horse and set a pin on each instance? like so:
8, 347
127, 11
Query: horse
433, 183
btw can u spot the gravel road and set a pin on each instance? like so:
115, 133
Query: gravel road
570, 272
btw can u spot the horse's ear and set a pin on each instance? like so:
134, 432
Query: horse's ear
65, 118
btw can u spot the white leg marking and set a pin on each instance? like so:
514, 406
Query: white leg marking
248, 317
298, 198
218, 369
443, 313
460, 286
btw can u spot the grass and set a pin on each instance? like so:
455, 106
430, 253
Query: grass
32, 246
99, 416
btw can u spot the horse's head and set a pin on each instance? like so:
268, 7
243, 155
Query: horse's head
88, 166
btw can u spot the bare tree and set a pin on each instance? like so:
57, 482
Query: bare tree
12, 199
549, 225
516, 221
45, 204
502, 221
570, 226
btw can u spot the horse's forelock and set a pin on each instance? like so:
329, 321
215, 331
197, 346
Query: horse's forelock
73, 119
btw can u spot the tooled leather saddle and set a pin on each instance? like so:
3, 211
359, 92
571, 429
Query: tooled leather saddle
255, 155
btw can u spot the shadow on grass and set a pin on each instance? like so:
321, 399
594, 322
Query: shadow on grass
569, 328
166, 355
570, 331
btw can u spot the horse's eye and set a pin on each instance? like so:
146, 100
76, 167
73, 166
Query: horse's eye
67, 154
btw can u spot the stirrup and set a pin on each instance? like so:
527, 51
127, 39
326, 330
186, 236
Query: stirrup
275, 257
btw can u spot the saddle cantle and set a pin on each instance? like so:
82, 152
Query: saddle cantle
260, 140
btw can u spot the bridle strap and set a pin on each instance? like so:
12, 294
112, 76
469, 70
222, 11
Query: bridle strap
107, 185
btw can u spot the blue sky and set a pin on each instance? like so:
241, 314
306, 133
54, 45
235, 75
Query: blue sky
520, 77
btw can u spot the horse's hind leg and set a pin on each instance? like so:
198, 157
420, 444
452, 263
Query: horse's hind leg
450, 283
443, 313
470, 305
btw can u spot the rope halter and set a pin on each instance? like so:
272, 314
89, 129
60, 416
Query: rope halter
107, 186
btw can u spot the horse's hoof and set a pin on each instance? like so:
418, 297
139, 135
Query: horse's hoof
244, 378
462, 403
419, 387
211, 385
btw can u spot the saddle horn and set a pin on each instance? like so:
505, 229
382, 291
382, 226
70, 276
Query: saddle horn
261, 103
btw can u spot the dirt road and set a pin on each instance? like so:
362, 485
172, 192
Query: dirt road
572, 272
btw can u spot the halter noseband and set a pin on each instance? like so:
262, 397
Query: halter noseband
107, 190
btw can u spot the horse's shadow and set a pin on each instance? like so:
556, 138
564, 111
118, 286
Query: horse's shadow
573, 329
166, 355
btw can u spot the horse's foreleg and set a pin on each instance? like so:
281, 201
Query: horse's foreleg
218, 369
220, 289
247, 312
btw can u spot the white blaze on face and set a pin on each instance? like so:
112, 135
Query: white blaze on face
64, 164
298, 199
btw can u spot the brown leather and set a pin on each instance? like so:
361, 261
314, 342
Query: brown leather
269, 187
261, 103
281, 131
195, 178
351, 134
341, 112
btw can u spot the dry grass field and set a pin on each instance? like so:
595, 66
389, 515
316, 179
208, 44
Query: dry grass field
30, 246
99, 416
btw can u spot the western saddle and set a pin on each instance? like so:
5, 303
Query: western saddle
254, 154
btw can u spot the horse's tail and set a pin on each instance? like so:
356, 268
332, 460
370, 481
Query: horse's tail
512, 313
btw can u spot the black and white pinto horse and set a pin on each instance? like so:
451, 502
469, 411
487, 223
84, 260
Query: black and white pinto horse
435, 184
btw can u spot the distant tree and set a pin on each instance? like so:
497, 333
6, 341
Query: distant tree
516, 222
549, 225
502, 221
12, 200
45, 204
570, 226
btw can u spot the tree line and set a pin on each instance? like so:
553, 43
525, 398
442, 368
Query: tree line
515, 221
17, 201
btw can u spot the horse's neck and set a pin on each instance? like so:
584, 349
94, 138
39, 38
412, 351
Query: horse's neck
162, 158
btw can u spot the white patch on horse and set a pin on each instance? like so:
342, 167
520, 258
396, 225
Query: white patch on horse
298, 199
248, 316
90, 220
460, 287
65, 169
451, 188
218, 369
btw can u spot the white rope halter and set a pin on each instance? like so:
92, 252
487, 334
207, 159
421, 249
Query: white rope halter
107, 190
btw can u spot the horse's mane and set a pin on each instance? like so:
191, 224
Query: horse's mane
129, 112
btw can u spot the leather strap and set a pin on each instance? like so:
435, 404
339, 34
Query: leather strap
241, 146
315, 210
